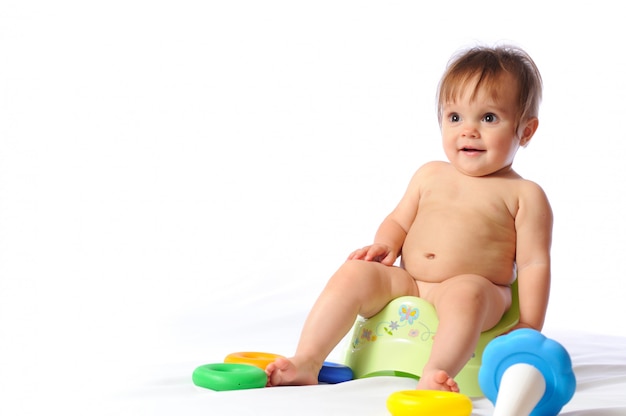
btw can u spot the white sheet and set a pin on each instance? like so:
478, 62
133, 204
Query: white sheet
178, 180
599, 363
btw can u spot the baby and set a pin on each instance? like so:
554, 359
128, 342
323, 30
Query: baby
465, 228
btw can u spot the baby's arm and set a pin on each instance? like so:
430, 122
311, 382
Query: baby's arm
387, 244
392, 231
533, 224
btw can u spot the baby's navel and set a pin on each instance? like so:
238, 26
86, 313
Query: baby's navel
429, 256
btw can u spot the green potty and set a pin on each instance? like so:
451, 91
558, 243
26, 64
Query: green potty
397, 342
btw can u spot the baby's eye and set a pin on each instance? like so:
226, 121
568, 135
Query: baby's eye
454, 118
490, 118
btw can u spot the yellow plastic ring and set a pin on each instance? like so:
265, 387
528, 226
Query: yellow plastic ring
257, 359
427, 402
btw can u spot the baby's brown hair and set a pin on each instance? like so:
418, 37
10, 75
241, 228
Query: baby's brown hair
488, 64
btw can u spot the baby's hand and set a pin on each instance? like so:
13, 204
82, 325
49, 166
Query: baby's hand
376, 252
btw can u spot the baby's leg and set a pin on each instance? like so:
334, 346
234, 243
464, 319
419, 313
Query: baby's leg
466, 305
357, 288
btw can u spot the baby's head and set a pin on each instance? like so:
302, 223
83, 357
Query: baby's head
482, 68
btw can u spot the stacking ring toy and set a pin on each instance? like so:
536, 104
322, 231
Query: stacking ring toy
526, 368
428, 402
333, 373
257, 359
229, 376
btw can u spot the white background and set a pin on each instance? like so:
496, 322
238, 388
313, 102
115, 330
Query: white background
178, 177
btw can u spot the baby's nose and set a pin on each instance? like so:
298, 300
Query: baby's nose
470, 131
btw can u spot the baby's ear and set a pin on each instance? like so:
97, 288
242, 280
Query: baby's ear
527, 130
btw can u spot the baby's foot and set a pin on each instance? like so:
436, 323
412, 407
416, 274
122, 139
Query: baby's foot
291, 372
437, 380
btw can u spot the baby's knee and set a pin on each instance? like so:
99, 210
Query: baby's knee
354, 269
357, 272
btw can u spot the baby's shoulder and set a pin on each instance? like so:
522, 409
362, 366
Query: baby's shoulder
529, 195
433, 168
435, 164
429, 172
528, 188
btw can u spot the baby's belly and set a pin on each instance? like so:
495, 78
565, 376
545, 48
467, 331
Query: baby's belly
439, 270
451, 254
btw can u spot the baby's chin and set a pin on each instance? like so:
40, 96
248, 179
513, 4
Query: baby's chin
485, 172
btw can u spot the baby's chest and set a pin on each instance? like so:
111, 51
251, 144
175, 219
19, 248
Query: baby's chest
497, 203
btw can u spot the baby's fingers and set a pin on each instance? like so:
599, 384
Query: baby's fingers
367, 253
376, 253
389, 259
358, 254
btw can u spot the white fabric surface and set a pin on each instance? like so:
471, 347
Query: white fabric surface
178, 180
599, 362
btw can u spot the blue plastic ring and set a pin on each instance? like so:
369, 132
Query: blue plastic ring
333, 373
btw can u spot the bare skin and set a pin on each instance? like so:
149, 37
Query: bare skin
464, 229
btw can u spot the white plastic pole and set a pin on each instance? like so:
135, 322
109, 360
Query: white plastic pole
521, 388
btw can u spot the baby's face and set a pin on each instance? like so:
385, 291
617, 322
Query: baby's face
479, 130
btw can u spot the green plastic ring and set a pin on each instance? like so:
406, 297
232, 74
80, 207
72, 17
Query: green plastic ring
229, 376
